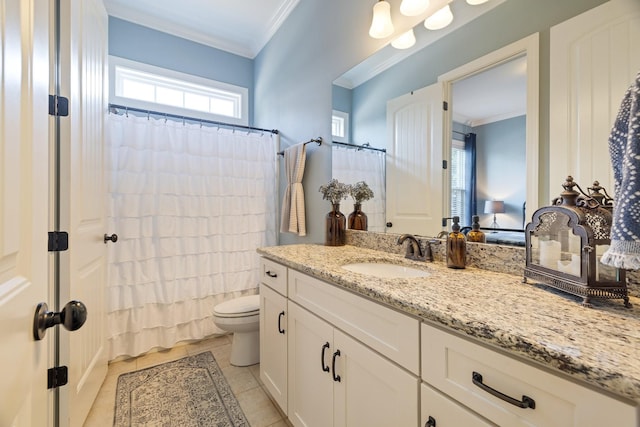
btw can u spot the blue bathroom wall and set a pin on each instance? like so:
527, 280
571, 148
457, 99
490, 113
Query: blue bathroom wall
501, 166
322, 39
143, 44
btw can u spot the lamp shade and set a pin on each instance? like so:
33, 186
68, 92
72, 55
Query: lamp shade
414, 7
381, 25
494, 206
440, 19
405, 41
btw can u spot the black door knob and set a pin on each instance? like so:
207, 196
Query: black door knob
113, 238
72, 317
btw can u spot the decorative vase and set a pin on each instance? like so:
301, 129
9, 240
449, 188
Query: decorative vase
357, 218
336, 223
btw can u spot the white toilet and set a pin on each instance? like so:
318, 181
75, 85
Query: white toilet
242, 317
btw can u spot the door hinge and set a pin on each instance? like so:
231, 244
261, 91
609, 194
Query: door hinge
445, 105
58, 241
57, 377
444, 164
58, 106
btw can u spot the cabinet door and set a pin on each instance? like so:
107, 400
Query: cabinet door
273, 348
372, 391
310, 381
437, 409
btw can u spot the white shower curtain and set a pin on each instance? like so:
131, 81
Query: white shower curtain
350, 165
190, 205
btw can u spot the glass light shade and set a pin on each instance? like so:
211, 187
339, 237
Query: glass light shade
405, 41
414, 7
440, 19
381, 25
476, 2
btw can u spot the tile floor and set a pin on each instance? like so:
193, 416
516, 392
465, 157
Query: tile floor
245, 383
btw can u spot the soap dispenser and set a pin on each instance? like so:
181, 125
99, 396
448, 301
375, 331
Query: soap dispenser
476, 235
456, 246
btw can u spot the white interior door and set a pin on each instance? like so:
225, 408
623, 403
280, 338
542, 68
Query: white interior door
24, 210
414, 162
594, 58
83, 53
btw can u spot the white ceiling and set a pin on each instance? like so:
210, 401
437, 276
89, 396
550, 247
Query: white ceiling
498, 93
241, 27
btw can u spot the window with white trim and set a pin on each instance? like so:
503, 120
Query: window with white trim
340, 126
458, 179
139, 85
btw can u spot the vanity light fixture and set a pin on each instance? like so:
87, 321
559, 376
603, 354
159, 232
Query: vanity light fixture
381, 25
440, 19
405, 41
413, 7
476, 2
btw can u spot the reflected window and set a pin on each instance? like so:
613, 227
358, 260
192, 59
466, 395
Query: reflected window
458, 179
340, 126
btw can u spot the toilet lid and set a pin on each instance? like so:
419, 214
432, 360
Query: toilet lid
239, 305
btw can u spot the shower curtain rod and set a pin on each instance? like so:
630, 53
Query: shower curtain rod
360, 147
460, 133
113, 108
317, 140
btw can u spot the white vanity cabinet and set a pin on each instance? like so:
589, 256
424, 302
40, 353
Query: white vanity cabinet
349, 361
335, 380
273, 331
509, 392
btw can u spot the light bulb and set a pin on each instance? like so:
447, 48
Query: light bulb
476, 2
405, 41
414, 7
381, 25
440, 19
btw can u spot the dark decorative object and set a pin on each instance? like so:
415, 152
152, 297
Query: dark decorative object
357, 218
336, 223
564, 243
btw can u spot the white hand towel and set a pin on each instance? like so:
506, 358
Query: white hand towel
293, 214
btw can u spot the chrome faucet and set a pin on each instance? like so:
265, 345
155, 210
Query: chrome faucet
414, 250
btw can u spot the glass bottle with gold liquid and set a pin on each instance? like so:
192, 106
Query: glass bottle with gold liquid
476, 235
456, 246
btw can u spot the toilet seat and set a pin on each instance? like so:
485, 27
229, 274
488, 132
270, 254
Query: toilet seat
246, 306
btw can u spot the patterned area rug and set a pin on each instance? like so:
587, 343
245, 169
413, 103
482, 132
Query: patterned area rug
188, 392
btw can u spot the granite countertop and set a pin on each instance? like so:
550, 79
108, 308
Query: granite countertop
600, 345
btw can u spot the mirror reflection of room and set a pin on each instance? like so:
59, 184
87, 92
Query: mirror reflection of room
488, 147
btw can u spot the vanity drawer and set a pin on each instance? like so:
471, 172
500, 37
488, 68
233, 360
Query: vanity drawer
274, 275
438, 410
449, 363
391, 333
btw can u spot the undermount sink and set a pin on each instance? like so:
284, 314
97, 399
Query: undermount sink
385, 270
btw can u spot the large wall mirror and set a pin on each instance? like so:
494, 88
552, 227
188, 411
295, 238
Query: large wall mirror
495, 99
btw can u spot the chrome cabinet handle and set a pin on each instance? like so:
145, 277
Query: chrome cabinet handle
526, 401
325, 368
270, 274
280, 316
333, 366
